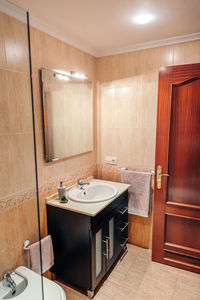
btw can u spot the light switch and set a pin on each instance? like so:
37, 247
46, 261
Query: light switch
111, 160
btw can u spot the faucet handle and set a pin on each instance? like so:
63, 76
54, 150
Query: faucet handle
7, 279
7, 274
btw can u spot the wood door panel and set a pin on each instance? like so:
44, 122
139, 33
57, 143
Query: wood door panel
182, 231
184, 149
182, 250
176, 218
182, 261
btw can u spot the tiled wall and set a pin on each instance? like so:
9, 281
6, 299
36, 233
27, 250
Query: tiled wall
127, 101
50, 53
18, 209
18, 206
127, 107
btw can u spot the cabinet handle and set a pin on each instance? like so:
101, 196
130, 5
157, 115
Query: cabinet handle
123, 211
107, 252
123, 228
108, 239
122, 245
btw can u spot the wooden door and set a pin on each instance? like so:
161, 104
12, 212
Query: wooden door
176, 224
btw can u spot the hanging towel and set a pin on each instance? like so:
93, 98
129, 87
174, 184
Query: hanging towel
47, 255
139, 193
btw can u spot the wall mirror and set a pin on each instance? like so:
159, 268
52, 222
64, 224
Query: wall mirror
67, 100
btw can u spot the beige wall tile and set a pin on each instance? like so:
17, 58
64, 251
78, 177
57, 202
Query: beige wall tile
9, 241
5, 126
187, 53
20, 102
23, 161
2, 43
9, 237
37, 102
16, 44
28, 221
6, 166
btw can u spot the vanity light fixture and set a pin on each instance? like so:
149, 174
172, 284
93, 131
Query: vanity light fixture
143, 18
63, 72
61, 77
78, 75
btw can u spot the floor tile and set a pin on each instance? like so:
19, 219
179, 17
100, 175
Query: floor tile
136, 277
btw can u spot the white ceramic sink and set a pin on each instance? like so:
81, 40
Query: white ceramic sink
94, 192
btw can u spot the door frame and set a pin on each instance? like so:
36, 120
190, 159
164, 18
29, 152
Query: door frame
168, 76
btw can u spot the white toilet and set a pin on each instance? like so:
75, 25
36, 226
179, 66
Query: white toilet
33, 291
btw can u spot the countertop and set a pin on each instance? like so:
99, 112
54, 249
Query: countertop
89, 209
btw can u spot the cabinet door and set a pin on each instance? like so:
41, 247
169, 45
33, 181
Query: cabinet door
99, 254
111, 238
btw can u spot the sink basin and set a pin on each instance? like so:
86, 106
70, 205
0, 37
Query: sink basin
21, 284
94, 192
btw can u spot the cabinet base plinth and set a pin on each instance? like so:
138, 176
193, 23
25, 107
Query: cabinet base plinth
90, 294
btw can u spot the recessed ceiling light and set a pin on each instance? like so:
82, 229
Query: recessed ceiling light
143, 18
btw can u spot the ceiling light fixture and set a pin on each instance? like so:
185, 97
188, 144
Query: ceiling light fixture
143, 19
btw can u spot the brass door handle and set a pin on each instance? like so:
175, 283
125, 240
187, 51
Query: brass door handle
159, 177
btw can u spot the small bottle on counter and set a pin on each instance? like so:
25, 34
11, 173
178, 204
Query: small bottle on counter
64, 199
61, 190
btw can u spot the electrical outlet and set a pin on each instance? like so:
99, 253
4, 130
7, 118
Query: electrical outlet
111, 160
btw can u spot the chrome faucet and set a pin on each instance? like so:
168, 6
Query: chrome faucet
9, 282
81, 183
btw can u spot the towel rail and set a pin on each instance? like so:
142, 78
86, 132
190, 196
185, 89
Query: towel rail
126, 169
26, 244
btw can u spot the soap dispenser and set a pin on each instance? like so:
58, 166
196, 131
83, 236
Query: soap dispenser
61, 190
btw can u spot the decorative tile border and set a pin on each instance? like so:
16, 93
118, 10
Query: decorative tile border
95, 170
22, 196
17, 198
68, 179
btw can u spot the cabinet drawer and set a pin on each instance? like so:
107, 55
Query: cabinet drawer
119, 204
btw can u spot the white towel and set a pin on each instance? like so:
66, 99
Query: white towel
139, 193
47, 255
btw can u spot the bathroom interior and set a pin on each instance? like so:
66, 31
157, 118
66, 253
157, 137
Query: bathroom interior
100, 150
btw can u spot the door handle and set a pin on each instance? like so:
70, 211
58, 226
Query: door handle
159, 177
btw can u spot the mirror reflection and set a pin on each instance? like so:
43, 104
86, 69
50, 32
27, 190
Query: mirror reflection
67, 100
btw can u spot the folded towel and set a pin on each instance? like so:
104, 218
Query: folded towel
47, 255
139, 192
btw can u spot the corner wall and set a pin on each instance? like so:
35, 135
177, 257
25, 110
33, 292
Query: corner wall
127, 107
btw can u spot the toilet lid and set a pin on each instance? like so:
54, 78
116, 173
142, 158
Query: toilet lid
33, 291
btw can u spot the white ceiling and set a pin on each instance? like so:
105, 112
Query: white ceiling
103, 27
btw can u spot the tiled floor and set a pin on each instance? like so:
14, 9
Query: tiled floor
136, 277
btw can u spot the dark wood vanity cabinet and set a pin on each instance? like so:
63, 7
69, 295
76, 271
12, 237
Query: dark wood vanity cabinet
86, 247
